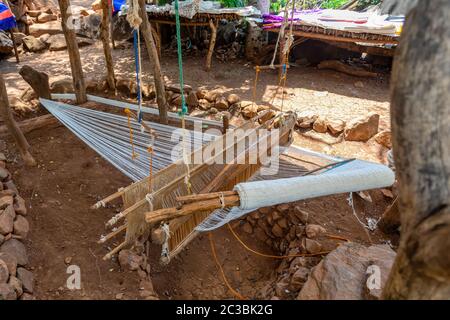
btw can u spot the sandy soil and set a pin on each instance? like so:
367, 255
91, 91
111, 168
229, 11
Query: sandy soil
71, 177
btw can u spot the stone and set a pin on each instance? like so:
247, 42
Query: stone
302, 215
57, 42
51, 27
44, 38
276, 215
247, 228
7, 292
2, 239
62, 86
34, 13
204, 104
7, 220
26, 296
342, 274
233, 98
19, 206
283, 223
129, 260
11, 186
201, 93
299, 278
148, 91
6, 44
269, 114
335, 126
16, 249
281, 287
21, 227
306, 119
18, 38
249, 109
297, 263
221, 104
283, 207
384, 138
32, 44
175, 87
313, 231
4, 272
27, 279
28, 94
359, 84
11, 262
261, 235
213, 95
362, 129
16, 284
312, 246
277, 231
320, 125
191, 99
5, 201
46, 17
177, 100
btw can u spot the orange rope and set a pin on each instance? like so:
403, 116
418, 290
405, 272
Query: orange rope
214, 254
272, 256
134, 155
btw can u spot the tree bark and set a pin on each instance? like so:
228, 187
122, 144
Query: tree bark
6, 114
105, 34
390, 221
421, 137
37, 80
74, 53
153, 55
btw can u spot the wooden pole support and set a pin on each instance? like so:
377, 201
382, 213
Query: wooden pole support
74, 54
212, 44
105, 34
5, 112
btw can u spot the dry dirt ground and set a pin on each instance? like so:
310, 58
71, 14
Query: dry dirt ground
71, 177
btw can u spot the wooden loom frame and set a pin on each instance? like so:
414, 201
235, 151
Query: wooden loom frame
170, 183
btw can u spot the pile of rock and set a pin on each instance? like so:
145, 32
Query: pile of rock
136, 260
359, 129
286, 229
216, 103
16, 282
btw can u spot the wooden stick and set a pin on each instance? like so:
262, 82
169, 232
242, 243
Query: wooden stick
212, 43
271, 67
112, 234
190, 208
313, 35
5, 112
205, 196
16, 53
342, 67
102, 203
29, 125
114, 251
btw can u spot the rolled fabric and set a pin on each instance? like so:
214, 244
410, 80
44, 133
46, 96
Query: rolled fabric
354, 176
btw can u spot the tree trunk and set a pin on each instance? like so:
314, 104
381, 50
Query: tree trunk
105, 33
6, 114
153, 55
37, 80
74, 53
421, 137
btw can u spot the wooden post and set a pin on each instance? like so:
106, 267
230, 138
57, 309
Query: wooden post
105, 33
6, 114
13, 39
111, 24
37, 80
153, 55
421, 138
212, 43
74, 53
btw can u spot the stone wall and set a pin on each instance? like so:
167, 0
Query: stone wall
16, 281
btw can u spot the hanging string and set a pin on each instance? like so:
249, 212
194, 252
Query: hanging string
134, 155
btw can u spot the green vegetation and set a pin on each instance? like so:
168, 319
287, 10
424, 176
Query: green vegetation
233, 3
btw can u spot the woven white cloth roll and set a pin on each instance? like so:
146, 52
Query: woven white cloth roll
352, 177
